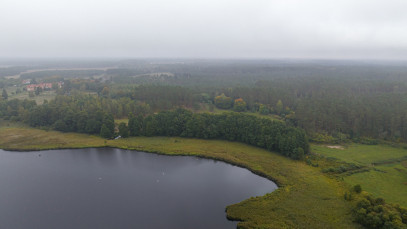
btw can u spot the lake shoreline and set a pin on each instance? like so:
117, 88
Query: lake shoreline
291, 205
259, 173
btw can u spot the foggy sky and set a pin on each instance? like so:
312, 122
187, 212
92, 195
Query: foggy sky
204, 28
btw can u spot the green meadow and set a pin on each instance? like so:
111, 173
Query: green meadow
386, 176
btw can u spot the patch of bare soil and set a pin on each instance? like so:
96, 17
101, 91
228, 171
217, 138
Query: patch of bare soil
335, 147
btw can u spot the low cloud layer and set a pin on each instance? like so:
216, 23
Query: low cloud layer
219, 29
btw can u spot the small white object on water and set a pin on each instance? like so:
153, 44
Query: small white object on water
158, 181
99, 178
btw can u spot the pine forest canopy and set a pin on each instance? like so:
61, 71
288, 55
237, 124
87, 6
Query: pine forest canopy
343, 99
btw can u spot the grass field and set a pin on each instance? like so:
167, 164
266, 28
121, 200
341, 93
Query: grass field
361, 154
388, 181
48, 95
387, 177
306, 198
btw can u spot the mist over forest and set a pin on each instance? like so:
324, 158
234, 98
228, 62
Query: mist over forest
343, 99
309, 96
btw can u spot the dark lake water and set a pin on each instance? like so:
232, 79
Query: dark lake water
113, 188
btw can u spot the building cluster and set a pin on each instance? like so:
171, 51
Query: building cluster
27, 81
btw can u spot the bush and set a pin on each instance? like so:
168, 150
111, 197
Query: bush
357, 188
375, 213
348, 196
298, 153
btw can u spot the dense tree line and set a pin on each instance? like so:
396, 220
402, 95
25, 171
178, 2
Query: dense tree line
16, 109
76, 113
73, 114
94, 115
272, 135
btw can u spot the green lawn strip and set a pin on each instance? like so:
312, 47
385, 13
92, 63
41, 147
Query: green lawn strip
306, 197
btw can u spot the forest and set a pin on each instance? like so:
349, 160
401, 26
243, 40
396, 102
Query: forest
94, 115
341, 101
287, 107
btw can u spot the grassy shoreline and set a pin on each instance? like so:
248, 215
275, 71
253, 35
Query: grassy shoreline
293, 205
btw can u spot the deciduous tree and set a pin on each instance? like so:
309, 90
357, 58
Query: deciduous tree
239, 105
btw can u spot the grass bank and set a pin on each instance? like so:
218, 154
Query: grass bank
306, 198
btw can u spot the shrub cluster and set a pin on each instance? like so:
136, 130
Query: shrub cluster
375, 213
349, 168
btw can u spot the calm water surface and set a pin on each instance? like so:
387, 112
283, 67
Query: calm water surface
113, 188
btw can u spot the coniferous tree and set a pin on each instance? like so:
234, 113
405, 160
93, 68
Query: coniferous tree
135, 125
108, 122
123, 130
105, 132
38, 90
4, 94
279, 107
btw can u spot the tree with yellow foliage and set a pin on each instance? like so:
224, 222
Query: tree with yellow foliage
239, 105
223, 102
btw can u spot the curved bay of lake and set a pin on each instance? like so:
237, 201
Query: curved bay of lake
115, 188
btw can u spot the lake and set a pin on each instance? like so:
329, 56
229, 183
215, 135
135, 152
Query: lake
115, 188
